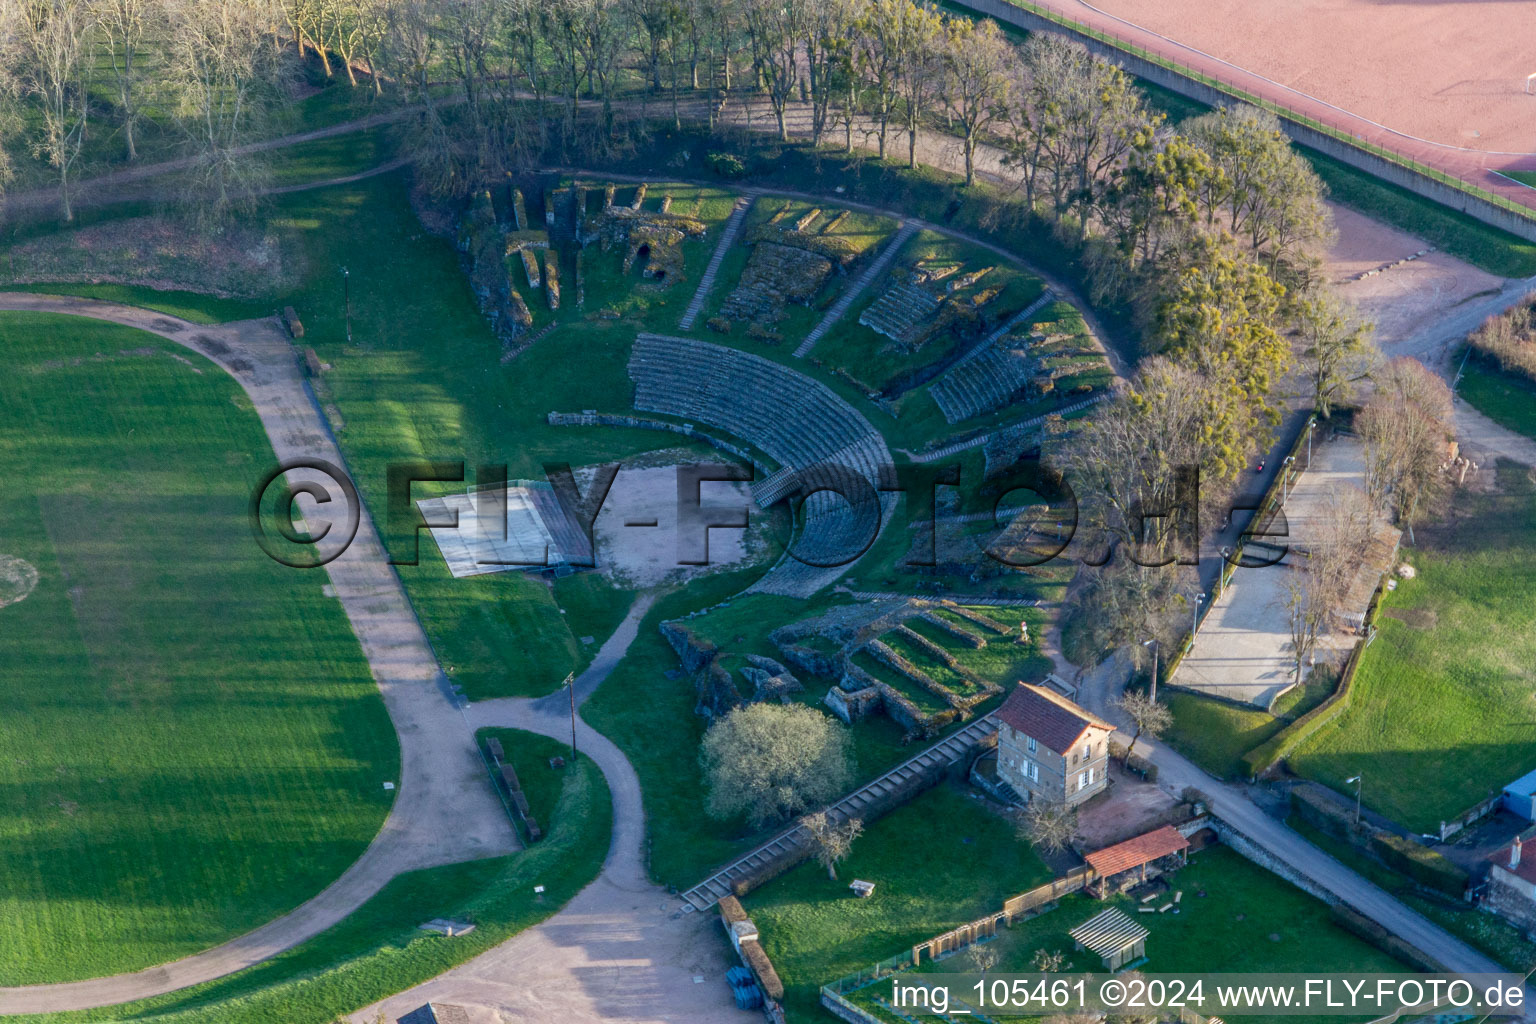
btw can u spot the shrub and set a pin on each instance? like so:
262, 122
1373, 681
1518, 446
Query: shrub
727, 165
772, 761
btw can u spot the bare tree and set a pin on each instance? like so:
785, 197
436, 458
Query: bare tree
828, 55
1406, 427
1050, 827
123, 26
54, 55
921, 34
226, 81
976, 83
775, 28
831, 842
1150, 718
983, 956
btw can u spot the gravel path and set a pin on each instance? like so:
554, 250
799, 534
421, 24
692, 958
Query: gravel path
619, 951
443, 811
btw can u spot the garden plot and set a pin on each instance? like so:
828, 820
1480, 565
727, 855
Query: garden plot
1230, 915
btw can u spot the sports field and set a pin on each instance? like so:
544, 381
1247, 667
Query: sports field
1449, 73
190, 741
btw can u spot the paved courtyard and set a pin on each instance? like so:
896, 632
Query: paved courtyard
1243, 650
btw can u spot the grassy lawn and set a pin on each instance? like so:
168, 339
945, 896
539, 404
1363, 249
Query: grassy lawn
1441, 703
190, 740
1248, 920
1215, 734
380, 949
938, 862
529, 755
1508, 399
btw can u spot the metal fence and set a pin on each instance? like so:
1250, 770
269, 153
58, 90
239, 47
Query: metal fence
1237, 92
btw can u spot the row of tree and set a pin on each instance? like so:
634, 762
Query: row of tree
209, 70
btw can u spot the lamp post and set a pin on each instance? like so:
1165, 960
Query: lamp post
1152, 643
346, 294
1311, 426
570, 685
1359, 781
1285, 479
1195, 627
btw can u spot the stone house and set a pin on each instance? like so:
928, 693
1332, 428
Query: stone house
1511, 890
1049, 748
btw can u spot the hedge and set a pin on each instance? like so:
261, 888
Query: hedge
1419, 863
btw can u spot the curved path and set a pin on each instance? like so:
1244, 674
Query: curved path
443, 811
619, 951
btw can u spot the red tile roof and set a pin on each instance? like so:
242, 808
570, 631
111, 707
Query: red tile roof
1133, 853
1527, 867
1048, 717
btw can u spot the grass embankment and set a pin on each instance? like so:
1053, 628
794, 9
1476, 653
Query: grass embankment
1216, 734
380, 949
938, 862
1439, 708
1509, 399
190, 740
863, 232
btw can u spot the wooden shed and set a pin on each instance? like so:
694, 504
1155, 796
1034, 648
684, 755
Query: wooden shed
1113, 936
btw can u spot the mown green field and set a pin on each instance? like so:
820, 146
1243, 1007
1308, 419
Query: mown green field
380, 949
190, 741
1441, 706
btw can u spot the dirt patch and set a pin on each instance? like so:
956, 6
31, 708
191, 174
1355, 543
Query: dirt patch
1401, 298
158, 253
210, 345
18, 577
1414, 618
646, 555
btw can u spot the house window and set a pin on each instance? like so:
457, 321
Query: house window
1030, 743
1085, 779
1030, 770
1087, 751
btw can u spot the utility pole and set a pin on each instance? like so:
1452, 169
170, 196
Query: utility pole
570, 685
1359, 781
346, 293
1153, 644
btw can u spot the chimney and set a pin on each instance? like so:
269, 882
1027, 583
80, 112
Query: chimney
1514, 854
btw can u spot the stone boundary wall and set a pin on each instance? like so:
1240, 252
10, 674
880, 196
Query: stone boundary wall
1516, 223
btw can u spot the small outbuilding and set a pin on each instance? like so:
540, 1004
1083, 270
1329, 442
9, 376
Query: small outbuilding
1113, 937
436, 1013
1138, 859
1520, 797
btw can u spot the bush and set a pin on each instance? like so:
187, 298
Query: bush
772, 761
1509, 339
727, 165
1422, 865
